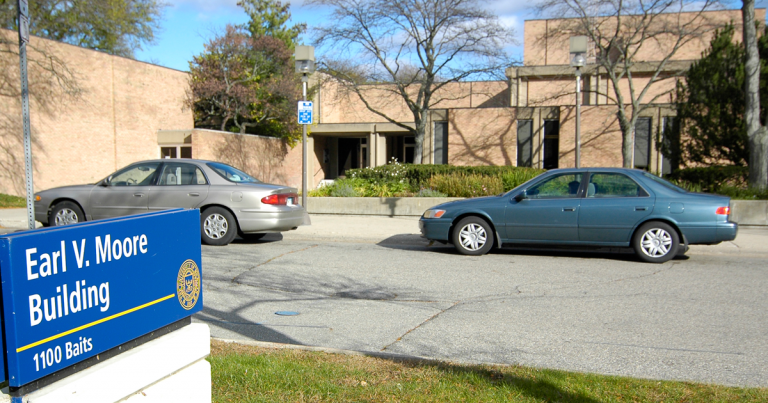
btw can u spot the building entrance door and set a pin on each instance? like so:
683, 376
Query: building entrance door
353, 154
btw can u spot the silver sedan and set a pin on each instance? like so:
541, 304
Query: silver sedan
231, 202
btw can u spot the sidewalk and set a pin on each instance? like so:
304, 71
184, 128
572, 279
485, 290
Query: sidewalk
752, 240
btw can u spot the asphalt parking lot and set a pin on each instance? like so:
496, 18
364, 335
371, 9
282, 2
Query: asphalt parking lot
371, 284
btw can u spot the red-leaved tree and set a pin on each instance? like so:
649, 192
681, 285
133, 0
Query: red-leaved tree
246, 85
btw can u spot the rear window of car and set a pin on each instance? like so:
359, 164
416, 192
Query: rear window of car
232, 174
664, 183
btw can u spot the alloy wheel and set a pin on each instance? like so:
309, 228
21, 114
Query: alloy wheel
473, 236
216, 226
656, 242
65, 217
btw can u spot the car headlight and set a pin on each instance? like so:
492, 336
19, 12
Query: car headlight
434, 213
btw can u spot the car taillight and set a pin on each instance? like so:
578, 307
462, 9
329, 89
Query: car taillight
723, 211
281, 199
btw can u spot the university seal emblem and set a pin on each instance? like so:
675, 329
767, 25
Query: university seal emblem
188, 284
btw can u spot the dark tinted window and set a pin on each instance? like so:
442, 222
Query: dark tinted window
560, 186
613, 185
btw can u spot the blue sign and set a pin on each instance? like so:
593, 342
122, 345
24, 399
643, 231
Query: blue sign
72, 292
305, 112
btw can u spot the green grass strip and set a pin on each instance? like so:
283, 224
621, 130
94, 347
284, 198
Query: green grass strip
8, 201
253, 374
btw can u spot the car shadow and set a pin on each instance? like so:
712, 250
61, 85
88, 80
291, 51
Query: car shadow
270, 237
416, 242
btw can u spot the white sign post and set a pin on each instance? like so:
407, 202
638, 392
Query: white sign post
305, 112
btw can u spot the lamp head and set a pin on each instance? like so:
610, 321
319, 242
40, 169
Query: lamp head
305, 59
578, 61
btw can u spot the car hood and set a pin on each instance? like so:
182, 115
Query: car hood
460, 203
66, 189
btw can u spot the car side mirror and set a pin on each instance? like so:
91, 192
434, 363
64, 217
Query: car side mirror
521, 196
105, 182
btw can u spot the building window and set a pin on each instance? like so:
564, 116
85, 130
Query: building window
551, 144
642, 143
441, 143
524, 143
670, 145
176, 152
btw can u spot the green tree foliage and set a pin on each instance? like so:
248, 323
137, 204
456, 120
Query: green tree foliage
245, 85
710, 103
269, 18
117, 27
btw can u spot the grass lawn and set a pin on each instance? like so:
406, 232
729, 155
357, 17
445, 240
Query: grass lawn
253, 374
7, 201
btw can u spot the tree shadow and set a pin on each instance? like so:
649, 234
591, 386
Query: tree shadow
536, 388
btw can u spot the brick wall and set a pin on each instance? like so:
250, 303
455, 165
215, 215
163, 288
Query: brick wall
485, 136
82, 138
268, 159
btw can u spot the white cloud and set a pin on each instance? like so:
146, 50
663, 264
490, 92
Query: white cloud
504, 8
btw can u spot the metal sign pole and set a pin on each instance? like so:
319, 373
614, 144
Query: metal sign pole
304, 80
23, 14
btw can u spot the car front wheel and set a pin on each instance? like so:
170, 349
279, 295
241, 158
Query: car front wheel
473, 236
656, 242
65, 213
217, 226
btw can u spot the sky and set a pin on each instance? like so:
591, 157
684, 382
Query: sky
188, 24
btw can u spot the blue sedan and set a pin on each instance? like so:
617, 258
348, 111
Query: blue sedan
589, 206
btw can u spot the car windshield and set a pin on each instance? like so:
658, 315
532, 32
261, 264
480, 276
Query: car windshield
664, 183
232, 174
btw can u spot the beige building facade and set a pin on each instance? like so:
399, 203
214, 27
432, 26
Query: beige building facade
116, 111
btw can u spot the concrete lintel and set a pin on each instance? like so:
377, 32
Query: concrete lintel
174, 137
566, 70
342, 128
393, 128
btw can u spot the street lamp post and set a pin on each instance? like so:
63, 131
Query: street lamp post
305, 64
578, 48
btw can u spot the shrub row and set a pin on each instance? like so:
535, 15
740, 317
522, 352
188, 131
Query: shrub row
422, 180
710, 179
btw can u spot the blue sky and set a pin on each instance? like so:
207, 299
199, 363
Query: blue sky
188, 24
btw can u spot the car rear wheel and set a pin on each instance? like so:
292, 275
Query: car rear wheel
656, 242
217, 226
473, 236
65, 213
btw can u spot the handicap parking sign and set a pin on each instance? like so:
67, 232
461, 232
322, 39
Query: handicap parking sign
305, 112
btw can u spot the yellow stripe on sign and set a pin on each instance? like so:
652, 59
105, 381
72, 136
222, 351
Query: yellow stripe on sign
86, 326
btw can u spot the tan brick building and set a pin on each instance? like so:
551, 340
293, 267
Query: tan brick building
124, 110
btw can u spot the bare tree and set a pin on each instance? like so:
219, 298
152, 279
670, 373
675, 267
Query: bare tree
411, 50
636, 45
756, 130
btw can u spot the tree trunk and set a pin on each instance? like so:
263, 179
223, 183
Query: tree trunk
758, 158
627, 137
421, 126
758, 137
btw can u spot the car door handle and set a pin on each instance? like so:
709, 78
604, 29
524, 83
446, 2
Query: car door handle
139, 194
569, 208
641, 208
194, 194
